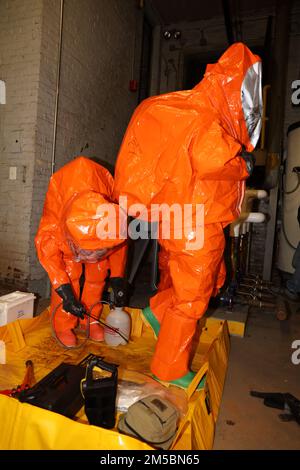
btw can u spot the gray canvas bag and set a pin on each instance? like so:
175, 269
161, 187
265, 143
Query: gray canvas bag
152, 419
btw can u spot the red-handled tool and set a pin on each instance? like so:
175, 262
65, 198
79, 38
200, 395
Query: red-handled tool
28, 381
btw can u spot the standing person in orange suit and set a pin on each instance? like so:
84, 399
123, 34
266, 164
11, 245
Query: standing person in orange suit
192, 147
67, 240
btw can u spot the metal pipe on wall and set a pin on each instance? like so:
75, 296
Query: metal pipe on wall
57, 86
228, 21
53, 156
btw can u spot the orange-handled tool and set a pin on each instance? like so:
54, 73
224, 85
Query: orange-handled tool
28, 381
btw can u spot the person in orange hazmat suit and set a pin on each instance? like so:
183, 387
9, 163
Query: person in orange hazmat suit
192, 147
67, 239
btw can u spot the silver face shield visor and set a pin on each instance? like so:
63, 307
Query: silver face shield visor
88, 256
252, 104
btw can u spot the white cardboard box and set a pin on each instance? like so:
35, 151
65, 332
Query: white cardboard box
16, 306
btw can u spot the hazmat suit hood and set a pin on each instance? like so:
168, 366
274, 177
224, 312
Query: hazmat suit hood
92, 226
233, 86
79, 175
72, 219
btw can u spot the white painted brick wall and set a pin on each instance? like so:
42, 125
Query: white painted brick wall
95, 107
20, 37
95, 103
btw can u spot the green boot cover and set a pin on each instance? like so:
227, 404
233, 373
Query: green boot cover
184, 381
151, 320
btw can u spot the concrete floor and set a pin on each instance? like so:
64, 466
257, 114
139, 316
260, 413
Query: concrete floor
260, 361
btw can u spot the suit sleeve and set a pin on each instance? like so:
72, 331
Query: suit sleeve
215, 155
47, 239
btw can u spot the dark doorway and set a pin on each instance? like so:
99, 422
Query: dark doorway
194, 67
145, 61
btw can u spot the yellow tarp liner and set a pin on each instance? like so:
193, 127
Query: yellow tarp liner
24, 426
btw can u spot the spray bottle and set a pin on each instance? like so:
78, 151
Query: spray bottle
121, 321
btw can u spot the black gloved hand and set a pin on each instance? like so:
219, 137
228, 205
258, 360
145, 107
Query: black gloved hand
119, 291
70, 303
249, 159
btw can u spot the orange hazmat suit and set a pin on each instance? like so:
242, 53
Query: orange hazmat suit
183, 148
67, 239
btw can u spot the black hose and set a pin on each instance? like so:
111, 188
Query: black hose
283, 192
293, 190
103, 323
89, 315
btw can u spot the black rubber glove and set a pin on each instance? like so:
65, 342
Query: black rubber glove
70, 303
249, 159
119, 291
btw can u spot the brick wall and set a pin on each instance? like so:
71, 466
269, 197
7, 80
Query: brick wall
95, 103
20, 39
97, 58
95, 106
